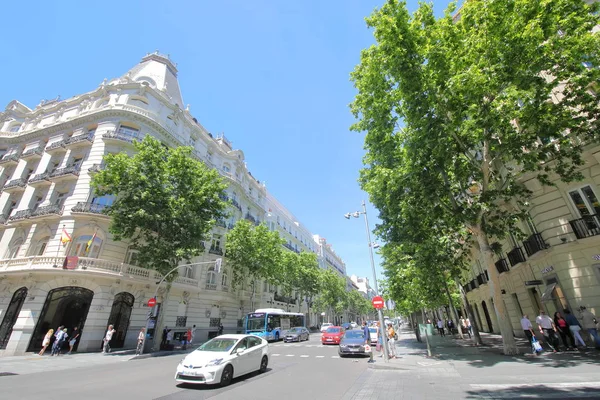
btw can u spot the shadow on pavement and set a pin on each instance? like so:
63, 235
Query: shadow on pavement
537, 391
235, 381
491, 352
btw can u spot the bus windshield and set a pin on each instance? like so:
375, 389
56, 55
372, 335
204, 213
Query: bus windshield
256, 323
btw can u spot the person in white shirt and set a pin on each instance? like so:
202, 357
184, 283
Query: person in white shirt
548, 329
440, 326
107, 338
528, 329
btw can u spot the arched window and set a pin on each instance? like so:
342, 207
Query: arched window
129, 131
87, 246
224, 279
15, 247
11, 315
211, 276
40, 246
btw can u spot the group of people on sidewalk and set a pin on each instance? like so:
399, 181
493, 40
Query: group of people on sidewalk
59, 339
465, 326
390, 335
567, 326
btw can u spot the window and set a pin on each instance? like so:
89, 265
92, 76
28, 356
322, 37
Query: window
129, 131
216, 242
132, 257
15, 128
28, 173
76, 162
224, 277
530, 224
211, 276
59, 199
40, 247
38, 201
53, 165
106, 200
12, 204
87, 246
585, 201
226, 168
14, 249
91, 131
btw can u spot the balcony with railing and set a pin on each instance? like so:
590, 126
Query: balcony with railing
119, 136
56, 146
502, 265
65, 173
36, 152
20, 215
82, 140
586, 226
211, 286
215, 250
15, 185
236, 204
534, 243
96, 168
90, 208
48, 211
516, 256
40, 179
482, 279
250, 218
12, 158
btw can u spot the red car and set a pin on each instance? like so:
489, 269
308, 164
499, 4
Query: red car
333, 335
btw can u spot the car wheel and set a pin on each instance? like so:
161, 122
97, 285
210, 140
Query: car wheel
263, 364
226, 375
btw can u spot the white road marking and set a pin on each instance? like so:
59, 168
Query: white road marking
320, 356
290, 355
335, 356
303, 356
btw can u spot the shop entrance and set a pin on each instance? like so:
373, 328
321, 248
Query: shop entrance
67, 306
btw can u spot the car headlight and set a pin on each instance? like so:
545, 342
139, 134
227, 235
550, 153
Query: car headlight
343, 345
214, 362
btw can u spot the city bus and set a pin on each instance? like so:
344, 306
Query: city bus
271, 323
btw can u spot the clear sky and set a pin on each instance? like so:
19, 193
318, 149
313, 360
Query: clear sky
273, 76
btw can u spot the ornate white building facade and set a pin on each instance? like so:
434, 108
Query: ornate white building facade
48, 156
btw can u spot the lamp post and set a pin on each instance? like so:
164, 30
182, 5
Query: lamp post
356, 214
217, 263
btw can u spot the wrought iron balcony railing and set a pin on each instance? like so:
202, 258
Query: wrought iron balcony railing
534, 243
56, 145
502, 265
83, 207
70, 170
236, 204
47, 210
20, 215
250, 218
40, 177
516, 256
14, 157
80, 138
35, 151
585, 227
118, 135
216, 250
20, 182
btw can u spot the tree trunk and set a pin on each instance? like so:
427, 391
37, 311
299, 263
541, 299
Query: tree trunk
426, 335
469, 309
252, 309
506, 329
453, 310
159, 324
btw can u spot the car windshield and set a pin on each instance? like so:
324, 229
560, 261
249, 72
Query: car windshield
333, 330
295, 330
354, 335
218, 345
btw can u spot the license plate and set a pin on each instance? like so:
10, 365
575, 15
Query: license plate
329, 340
354, 349
190, 372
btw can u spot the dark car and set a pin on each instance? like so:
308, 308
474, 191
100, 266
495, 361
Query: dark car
296, 334
347, 326
353, 342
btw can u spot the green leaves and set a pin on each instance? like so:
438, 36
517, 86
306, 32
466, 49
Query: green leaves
166, 202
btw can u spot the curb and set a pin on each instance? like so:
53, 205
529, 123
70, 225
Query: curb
160, 354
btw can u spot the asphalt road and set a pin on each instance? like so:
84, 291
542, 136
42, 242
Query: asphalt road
307, 370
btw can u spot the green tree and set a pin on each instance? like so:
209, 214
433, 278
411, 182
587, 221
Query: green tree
500, 91
166, 202
333, 292
253, 252
306, 276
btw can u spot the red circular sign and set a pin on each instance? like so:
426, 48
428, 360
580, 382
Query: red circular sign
152, 302
377, 302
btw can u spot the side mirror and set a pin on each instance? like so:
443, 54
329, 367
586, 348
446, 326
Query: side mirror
240, 351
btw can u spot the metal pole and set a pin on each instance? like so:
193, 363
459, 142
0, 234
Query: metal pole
379, 311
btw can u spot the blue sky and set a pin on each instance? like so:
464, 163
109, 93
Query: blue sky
273, 76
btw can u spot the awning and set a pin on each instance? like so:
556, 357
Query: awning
548, 292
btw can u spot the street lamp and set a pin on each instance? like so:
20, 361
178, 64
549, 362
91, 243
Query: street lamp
372, 245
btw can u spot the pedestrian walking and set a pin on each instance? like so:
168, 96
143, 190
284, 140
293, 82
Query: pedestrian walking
46, 341
529, 333
391, 341
548, 329
170, 335
220, 329
367, 335
140, 341
450, 325
440, 326
465, 329
575, 328
74, 337
60, 338
163, 341
379, 346
107, 338
590, 324
193, 334
564, 331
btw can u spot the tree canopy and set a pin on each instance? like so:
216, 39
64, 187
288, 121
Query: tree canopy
166, 202
458, 109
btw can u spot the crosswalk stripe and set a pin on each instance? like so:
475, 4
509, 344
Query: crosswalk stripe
335, 356
320, 356
303, 356
275, 355
290, 355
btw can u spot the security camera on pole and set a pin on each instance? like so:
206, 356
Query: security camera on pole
152, 301
356, 214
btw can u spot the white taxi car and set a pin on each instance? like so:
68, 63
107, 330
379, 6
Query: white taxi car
223, 358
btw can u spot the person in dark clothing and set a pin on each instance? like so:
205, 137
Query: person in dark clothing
564, 331
163, 340
220, 329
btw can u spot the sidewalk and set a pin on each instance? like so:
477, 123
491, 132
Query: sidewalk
32, 363
460, 370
